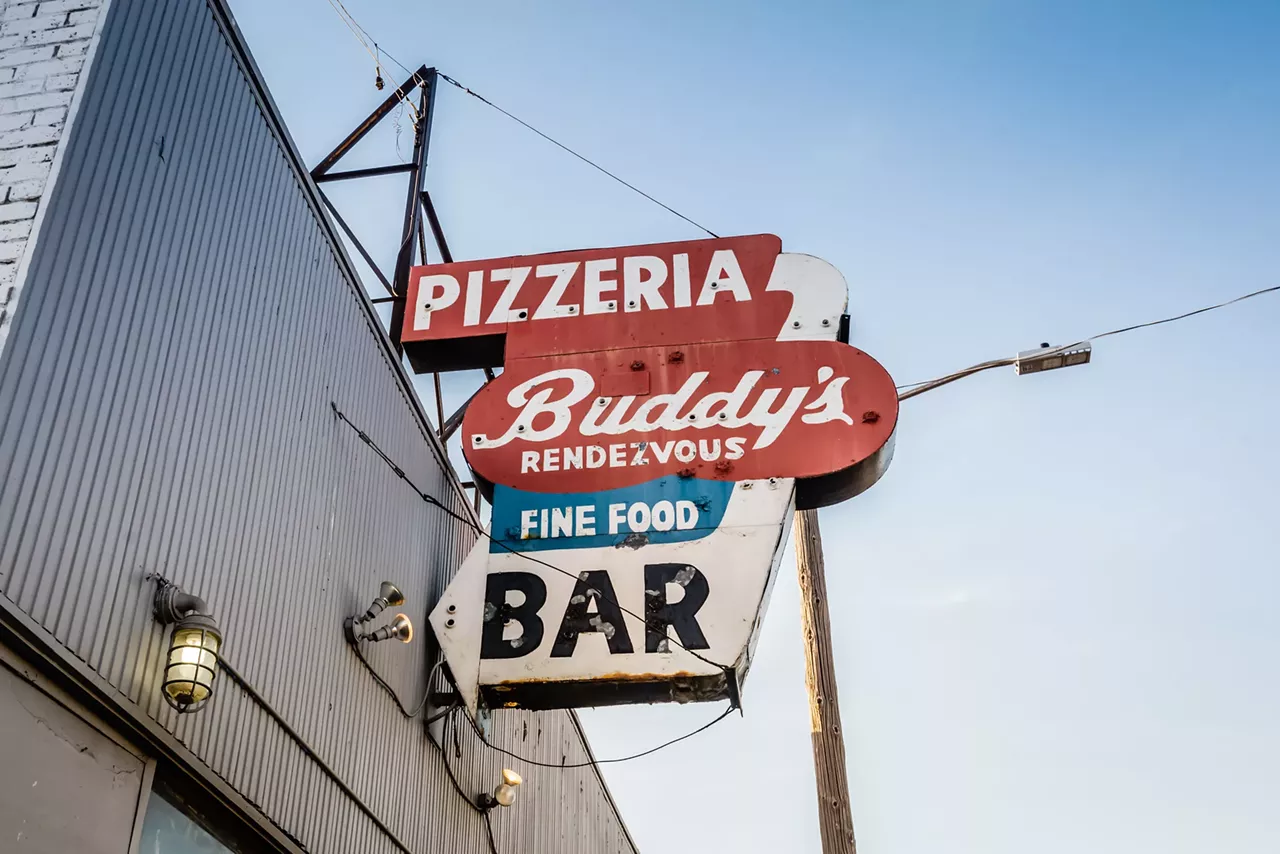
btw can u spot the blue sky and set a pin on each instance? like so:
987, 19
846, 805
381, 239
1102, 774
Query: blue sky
1055, 617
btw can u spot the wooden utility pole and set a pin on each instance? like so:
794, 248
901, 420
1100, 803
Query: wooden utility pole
835, 817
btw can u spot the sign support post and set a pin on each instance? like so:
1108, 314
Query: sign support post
835, 817
413, 211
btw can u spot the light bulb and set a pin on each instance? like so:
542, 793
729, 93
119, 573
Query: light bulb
193, 663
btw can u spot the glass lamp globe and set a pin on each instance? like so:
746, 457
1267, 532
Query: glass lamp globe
192, 663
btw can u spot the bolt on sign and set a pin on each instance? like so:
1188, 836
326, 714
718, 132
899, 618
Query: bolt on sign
661, 412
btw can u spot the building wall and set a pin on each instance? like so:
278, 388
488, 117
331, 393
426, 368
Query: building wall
43, 46
52, 758
188, 321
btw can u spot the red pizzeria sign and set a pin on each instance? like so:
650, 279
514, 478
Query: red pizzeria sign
716, 359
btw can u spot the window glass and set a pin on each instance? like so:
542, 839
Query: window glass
168, 830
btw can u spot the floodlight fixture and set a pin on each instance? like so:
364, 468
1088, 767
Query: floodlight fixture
504, 794
400, 628
388, 594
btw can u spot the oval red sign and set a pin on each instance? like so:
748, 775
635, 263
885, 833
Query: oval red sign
818, 411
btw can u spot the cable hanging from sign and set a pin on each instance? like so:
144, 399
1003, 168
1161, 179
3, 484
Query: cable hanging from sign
594, 762
479, 529
485, 813
910, 390
457, 787
386, 686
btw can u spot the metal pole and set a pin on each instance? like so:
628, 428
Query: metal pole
346, 229
384, 109
434, 219
439, 405
835, 818
413, 206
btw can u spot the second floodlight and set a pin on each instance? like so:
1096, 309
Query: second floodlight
388, 594
504, 794
400, 628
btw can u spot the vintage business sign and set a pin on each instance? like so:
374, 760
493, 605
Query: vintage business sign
661, 412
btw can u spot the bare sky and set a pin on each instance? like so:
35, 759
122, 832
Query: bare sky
1055, 618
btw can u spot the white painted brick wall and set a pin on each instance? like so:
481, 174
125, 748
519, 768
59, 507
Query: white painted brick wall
44, 45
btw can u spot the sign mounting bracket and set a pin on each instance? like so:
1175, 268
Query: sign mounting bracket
424, 82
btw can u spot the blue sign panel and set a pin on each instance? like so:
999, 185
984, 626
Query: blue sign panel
671, 509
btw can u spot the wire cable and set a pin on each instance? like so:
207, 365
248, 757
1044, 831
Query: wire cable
310, 752
591, 763
488, 826
387, 687
444, 757
375, 52
928, 385
363, 36
479, 529
358, 31
581, 157
457, 787
1183, 316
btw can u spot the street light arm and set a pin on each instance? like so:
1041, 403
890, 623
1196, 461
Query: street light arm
958, 375
1050, 358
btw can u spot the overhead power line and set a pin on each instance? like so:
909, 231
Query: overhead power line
362, 35
1179, 316
911, 390
581, 157
370, 45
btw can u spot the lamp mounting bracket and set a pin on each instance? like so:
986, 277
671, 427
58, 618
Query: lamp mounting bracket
171, 604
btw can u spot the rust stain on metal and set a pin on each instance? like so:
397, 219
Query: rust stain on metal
870, 416
514, 533
676, 358
510, 684
637, 365
632, 541
724, 467
685, 473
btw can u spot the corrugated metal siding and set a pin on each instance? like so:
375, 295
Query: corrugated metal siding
165, 406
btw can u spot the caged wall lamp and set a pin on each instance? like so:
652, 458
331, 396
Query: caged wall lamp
400, 628
192, 662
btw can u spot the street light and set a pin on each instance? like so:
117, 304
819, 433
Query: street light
835, 819
1043, 358
1046, 358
